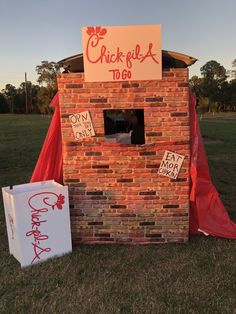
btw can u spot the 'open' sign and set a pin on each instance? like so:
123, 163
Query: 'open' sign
82, 125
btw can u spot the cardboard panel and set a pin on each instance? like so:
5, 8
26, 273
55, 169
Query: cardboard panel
122, 53
38, 221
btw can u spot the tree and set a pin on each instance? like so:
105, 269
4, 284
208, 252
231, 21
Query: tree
214, 79
214, 92
15, 97
233, 72
196, 84
4, 107
33, 95
10, 94
203, 105
47, 72
212, 70
44, 96
232, 95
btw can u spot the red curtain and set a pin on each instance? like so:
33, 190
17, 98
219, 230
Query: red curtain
49, 164
207, 213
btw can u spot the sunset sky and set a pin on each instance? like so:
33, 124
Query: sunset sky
32, 31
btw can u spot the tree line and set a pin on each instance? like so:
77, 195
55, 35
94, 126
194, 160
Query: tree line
13, 100
216, 88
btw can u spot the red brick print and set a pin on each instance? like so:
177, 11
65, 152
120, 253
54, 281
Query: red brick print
116, 194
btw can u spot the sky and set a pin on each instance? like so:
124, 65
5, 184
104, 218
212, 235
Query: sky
35, 30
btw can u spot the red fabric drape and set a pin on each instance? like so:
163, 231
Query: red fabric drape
207, 212
49, 164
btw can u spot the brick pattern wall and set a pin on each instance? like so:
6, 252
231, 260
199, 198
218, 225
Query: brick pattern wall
116, 194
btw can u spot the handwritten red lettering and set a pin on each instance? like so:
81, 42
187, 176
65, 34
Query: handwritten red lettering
51, 200
97, 53
149, 54
92, 43
38, 251
117, 74
37, 235
104, 56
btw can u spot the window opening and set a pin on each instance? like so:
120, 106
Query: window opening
124, 126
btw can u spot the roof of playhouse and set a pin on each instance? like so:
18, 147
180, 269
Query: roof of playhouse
170, 59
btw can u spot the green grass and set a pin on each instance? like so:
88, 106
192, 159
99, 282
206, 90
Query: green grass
21, 137
197, 277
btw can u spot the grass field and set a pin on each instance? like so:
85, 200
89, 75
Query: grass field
197, 277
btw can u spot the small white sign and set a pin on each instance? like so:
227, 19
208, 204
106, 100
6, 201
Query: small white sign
82, 125
38, 221
171, 164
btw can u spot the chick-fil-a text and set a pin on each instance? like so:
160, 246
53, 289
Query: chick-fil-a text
96, 53
47, 200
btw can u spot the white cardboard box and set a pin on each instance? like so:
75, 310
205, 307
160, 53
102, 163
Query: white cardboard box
38, 221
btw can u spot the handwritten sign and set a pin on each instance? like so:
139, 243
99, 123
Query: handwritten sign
82, 125
40, 204
171, 164
121, 53
38, 221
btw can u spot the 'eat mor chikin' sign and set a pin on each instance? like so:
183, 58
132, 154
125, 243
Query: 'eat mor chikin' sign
122, 53
171, 164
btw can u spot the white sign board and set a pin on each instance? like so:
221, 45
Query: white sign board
82, 125
122, 53
171, 164
38, 221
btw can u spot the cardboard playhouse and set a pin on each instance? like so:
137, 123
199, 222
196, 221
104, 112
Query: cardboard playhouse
125, 139
115, 133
